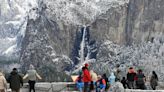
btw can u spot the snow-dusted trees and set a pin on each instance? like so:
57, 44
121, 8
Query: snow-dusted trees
147, 56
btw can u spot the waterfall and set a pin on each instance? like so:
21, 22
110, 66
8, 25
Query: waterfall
82, 46
82, 49
85, 49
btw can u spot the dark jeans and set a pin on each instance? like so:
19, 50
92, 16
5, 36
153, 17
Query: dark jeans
141, 86
86, 86
31, 85
131, 85
153, 87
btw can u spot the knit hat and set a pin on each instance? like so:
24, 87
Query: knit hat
86, 64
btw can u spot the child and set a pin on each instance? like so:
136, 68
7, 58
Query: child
101, 84
124, 82
79, 83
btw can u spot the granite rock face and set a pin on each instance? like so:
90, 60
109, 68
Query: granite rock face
135, 22
40, 47
46, 32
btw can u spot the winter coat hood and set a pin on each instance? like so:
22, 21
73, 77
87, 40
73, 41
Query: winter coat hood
112, 74
14, 72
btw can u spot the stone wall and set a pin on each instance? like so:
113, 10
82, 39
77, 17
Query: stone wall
50, 87
70, 87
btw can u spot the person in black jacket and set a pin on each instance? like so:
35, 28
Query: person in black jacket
154, 80
130, 78
15, 80
124, 82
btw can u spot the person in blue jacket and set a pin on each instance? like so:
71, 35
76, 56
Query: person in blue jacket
101, 84
79, 82
112, 79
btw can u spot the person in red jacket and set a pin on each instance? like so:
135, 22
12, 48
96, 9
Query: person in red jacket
86, 77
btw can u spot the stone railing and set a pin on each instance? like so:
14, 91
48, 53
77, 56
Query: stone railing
129, 90
71, 87
50, 87
117, 87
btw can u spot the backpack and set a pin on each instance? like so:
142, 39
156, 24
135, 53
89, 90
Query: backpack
140, 79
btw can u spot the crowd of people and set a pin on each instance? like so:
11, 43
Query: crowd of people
89, 81
15, 80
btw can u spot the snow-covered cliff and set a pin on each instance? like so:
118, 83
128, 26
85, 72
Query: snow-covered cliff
50, 34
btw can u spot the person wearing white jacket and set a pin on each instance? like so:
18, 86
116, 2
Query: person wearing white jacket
3, 83
32, 76
93, 76
94, 80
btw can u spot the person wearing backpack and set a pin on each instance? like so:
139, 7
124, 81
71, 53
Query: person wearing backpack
101, 84
140, 80
107, 82
79, 83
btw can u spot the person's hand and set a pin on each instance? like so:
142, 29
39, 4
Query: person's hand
40, 78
